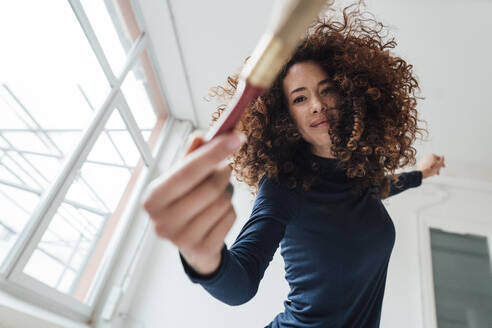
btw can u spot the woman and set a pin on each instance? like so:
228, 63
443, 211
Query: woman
322, 147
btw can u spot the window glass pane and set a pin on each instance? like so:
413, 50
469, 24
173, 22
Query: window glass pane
136, 91
47, 83
105, 151
146, 134
10, 119
462, 280
4, 144
115, 122
104, 19
19, 162
11, 165
7, 177
49, 166
50, 82
52, 267
120, 139
80, 232
64, 139
27, 141
17, 204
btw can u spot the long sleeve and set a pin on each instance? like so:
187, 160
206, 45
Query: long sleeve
405, 181
242, 266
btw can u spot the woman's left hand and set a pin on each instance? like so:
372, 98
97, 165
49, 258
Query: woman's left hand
430, 165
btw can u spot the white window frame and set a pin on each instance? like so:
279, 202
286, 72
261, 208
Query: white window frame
137, 254
468, 225
24, 287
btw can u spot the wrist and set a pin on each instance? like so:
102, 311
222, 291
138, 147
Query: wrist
203, 265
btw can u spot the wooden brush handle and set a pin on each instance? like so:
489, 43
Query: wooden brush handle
288, 24
276, 46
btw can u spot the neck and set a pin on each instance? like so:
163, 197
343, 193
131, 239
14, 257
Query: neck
322, 152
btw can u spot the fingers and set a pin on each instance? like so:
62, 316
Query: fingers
214, 240
430, 165
438, 163
180, 212
437, 160
196, 166
196, 230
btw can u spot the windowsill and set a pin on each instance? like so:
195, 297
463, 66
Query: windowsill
14, 310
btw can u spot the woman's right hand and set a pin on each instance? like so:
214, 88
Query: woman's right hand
190, 205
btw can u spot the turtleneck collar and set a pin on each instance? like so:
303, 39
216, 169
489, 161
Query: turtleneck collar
329, 170
324, 159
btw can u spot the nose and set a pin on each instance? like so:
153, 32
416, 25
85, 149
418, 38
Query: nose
317, 104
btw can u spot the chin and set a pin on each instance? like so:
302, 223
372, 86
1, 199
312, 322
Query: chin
322, 142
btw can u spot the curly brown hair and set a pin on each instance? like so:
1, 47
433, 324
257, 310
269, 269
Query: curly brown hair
377, 119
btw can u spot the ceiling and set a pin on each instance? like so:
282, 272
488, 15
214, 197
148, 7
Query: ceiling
197, 43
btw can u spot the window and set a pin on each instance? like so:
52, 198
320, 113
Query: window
462, 279
81, 111
456, 272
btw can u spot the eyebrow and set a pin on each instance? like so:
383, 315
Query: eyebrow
303, 88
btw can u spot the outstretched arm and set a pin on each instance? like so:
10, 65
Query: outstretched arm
405, 181
242, 266
428, 166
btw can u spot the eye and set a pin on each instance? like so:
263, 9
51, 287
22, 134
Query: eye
327, 91
299, 99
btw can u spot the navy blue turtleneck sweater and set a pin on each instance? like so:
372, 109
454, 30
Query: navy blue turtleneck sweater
335, 245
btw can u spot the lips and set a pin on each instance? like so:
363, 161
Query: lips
318, 122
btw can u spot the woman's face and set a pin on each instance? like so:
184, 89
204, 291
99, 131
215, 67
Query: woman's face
312, 100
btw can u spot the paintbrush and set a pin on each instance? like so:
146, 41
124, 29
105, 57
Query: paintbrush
288, 24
